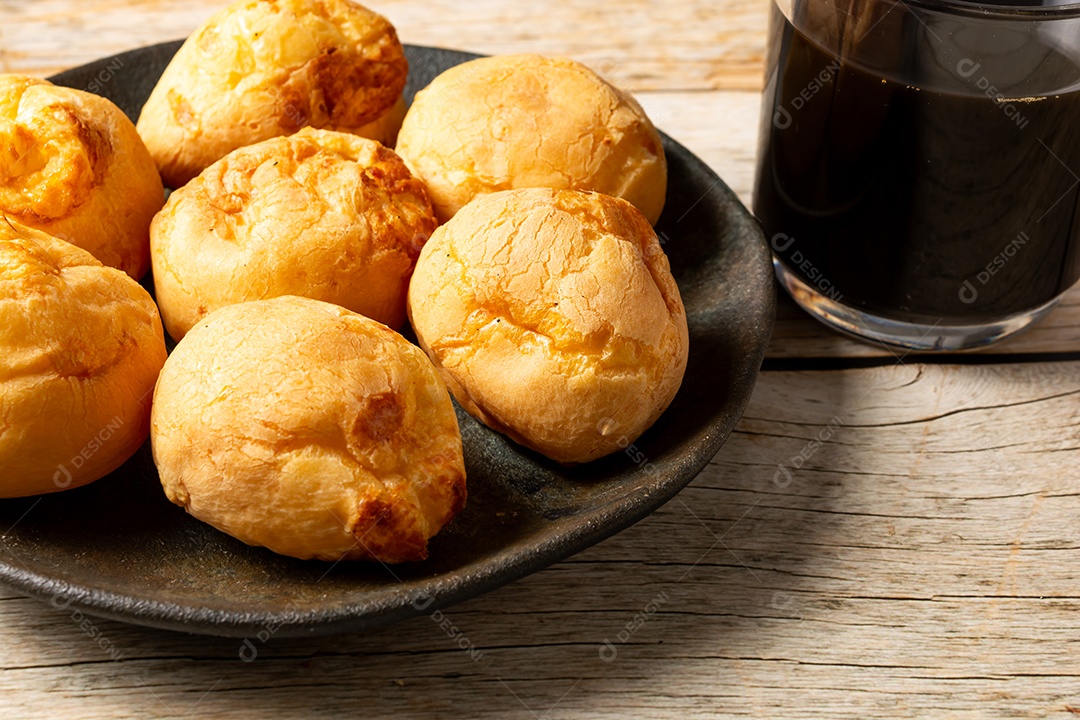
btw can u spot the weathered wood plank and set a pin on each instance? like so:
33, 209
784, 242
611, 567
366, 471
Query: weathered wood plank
916, 562
693, 44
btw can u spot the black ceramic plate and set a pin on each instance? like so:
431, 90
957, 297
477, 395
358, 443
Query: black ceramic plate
119, 549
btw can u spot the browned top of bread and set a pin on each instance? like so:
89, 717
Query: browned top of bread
551, 312
56, 152
322, 214
518, 121
61, 313
74, 166
256, 70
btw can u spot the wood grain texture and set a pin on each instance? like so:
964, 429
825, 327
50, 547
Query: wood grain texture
891, 541
918, 562
689, 45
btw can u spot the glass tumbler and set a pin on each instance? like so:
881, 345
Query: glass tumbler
919, 165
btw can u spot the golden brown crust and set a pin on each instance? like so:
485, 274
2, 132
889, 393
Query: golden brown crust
74, 166
316, 432
262, 69
553, 317
82, 345
519, 121
385, 128
321, 214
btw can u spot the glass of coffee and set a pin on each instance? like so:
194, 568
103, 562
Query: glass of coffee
919, 164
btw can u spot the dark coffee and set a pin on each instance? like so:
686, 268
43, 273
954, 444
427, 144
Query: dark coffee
922, 182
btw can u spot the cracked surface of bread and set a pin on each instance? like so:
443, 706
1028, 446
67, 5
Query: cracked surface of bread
519, 121
313, 431
264, 68
82, 345
321, 214
73, 166
553, 318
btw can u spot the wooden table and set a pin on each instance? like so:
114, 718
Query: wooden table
924, 561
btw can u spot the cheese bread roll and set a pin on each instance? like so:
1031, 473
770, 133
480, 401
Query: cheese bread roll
321, 214
310, 430
553, 318
81, 345
72, 165
520, 121
263, 68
